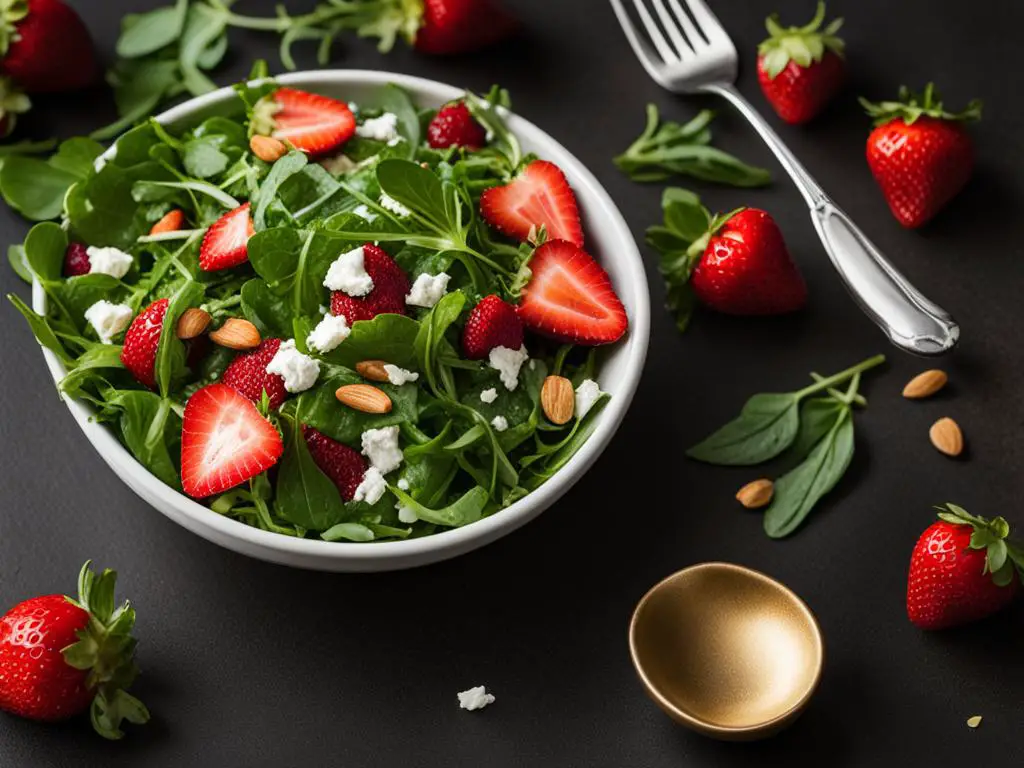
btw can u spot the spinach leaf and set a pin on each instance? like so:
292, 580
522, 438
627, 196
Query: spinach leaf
76, 294
385, 337
33, 187
16, 258
348, 532
294, 265
321, 409
391, 98
265, 309
817, 415
45, 246
203, 159
305, 495
151, 431
430, 338
467, 509
101, 208
96, 358
766, 426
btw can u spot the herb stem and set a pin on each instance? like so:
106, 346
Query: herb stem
858, 398
839, 378
283, 23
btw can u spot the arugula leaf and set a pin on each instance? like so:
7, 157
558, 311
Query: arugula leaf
151, 431
284, 168
170, 351
202, 41
467, 509
41, 329
305, 495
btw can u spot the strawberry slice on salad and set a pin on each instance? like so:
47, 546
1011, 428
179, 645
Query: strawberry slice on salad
540, 196
309, 122
141, 341
226, 242
570, 297
224, 441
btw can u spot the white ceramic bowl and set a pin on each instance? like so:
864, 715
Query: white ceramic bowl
609, 239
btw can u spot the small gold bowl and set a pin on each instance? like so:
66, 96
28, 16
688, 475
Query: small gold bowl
726, 651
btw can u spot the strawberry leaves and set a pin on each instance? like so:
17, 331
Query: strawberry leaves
804, 45
1002, 556
910, 106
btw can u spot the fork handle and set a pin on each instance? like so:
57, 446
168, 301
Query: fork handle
910, 320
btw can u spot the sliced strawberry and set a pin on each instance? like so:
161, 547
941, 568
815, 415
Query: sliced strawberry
491, 323
247, 373
309, 122
390, 287
141, 341
570, 297
225, 243
344, 465
539, 196
76, 260
224, 441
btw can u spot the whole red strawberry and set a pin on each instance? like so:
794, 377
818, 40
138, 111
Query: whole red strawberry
247, 373
45, 47
962, 569
459, 26
801, 68
921, 155
141, 341
76, 260
344, 465
491, 323
454, 126
58, 656
390, 287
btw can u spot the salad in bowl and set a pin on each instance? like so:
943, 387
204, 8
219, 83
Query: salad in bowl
329, 320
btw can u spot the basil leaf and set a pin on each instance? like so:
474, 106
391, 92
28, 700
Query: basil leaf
146, 33
468, 509
766, 426
305, 495
799, 490
817, 415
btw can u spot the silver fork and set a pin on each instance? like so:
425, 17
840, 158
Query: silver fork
688, 51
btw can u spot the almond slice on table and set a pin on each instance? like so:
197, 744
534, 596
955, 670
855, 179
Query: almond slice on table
756, 494
946, 436
558, 399
925, 384
267, 148
237, 333
364, 398
193, 322
373, 370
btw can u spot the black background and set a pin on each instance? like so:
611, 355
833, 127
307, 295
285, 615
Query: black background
249, 664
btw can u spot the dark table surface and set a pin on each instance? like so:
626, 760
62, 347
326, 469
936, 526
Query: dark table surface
250, 664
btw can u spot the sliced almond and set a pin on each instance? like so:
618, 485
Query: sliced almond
925, 384
756, 494
373, 370
946, 436
267, 148
171, 222
237, 333
193, 322
558, 399
364, 398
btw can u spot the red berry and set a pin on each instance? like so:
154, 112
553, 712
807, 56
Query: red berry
458, 26
454, 126
247, 373
491, 323
344, 465
76, 260
142, 340
539, 196
390, 287
50, 49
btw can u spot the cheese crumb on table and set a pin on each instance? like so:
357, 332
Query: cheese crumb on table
348, 274
475, 698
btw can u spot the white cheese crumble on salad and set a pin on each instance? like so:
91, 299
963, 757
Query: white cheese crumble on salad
328, 334
299, 371
489, 395
399, 376
500, 423
475, 698
383, 128
586, 395
372, 487
109, 261
427, 290
406, 515
403, 484
363, 212
381, 447
108, 319
507, 362
348, 274
388, 202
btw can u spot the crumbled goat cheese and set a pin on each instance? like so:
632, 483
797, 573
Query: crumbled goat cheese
363, 212
372, 488
396, 141
381, 446
507, 362
353, 107
299, 371
406, 515
427, 290
489, 395
403, 484
348, 274
108, 319
500, 423
329, 333
586, 395
475, 698
388, 202
108, 261
383, 128
399, 376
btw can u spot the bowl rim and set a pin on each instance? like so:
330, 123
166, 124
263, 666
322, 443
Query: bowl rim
448, 543
765, 727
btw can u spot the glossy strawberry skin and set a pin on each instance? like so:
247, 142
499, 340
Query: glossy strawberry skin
35, 681
345, 466
920, 167
460, 26
746, 269
390, 287
247, 373
539, 196
797, 93
141, 341
52, 50
947, 585
454, 126
76, 260
225, 243
491, 323
312, 123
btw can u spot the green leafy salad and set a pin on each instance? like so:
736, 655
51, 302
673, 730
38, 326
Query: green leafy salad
328, 320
